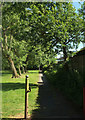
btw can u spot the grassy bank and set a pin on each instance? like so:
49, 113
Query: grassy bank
13, 94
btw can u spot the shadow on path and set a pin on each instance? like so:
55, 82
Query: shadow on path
54, 105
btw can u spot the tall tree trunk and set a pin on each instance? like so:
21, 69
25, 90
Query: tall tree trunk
5, 49
13, 67
39, 68
65, 53
65, 57
19, 70
23, 70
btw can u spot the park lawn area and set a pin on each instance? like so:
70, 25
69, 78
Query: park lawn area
13, 94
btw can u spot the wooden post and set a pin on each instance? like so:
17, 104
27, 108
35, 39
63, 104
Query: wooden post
26, 96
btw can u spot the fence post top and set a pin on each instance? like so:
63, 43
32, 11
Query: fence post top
27, 76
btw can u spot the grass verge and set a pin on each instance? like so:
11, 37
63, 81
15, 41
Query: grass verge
13, 94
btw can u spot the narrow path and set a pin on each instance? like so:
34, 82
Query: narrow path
53, 104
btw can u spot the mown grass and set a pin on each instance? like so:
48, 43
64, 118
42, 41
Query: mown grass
13, 94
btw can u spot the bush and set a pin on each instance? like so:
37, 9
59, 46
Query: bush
69, 83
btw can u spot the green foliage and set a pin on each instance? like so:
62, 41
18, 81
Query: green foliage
82, 15
69, 83
33, 33
5, 64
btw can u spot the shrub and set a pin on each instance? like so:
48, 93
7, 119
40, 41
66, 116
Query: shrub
69, 82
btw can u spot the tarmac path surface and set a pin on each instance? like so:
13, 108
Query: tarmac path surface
54, 105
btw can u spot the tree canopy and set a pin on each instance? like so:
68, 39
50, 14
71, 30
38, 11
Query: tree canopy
33, 33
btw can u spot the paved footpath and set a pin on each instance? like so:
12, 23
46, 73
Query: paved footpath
53, 104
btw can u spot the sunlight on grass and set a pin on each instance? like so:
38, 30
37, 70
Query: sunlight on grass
13, 94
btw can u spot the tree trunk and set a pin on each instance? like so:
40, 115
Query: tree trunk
39, 68
23, 70
65, 57
13, 67
5, 49
19, 70
65, 53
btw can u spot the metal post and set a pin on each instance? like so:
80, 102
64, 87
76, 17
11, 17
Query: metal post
26, 96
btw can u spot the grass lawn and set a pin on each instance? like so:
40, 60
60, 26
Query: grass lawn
13, 94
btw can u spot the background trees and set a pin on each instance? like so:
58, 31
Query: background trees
33, 33
82, 15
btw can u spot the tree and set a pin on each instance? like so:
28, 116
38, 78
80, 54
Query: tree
11, 25
33, 31
57, 25
82, 15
